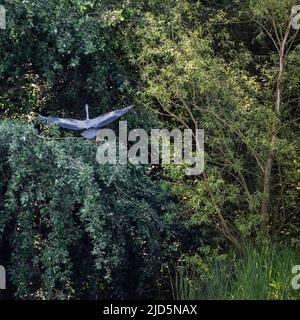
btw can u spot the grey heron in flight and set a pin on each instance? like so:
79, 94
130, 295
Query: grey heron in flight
89, 126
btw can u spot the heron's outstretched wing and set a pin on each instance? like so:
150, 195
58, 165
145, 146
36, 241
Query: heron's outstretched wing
89, 125
67, 123
108, 117
90, 133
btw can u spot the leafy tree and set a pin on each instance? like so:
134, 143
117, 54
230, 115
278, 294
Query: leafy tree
73, 228
58, 55
199, 74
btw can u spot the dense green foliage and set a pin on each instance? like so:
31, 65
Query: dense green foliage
70, 228
197, 84
76, 228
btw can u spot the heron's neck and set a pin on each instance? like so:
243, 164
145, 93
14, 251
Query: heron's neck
87, 111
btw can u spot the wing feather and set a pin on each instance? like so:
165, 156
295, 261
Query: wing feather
108, 118
72, 124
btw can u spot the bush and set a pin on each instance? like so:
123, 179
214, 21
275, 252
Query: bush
71, 228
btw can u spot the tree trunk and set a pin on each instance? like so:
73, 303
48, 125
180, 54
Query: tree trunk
265, 206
